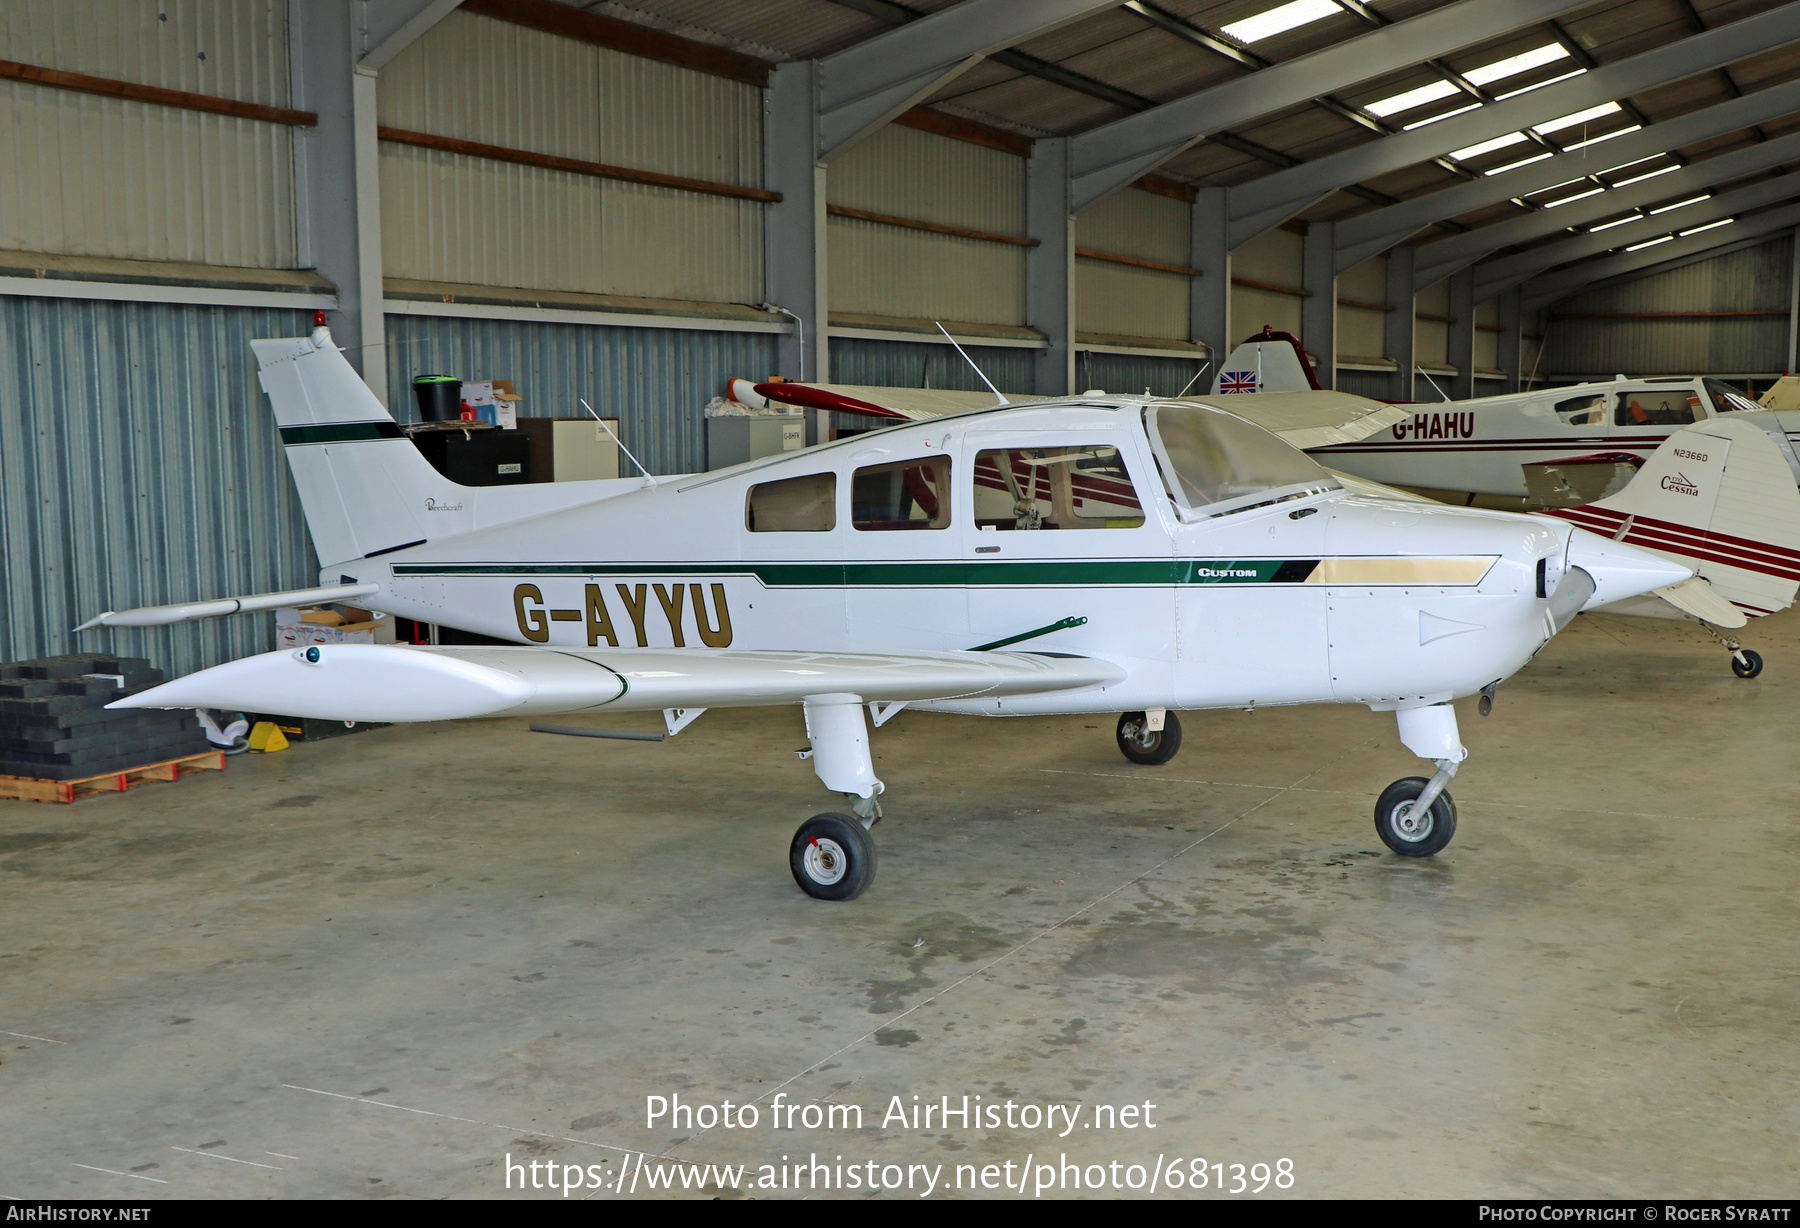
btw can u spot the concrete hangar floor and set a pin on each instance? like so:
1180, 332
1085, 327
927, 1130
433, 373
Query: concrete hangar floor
386, 965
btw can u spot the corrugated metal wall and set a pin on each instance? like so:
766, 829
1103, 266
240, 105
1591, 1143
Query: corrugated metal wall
909, 364
892, 271
141, 465
1272, 256
657, 381
1754, 279
1132, 373
1361, 331
448, 217
1431, 338
93, 176
1120, 300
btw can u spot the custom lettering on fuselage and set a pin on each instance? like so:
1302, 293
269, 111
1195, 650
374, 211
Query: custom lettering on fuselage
714, 627
1437, 425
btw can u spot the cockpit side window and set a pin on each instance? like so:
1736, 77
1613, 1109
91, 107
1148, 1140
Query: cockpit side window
1081, 486
910, 494
1656, 407
1727, 399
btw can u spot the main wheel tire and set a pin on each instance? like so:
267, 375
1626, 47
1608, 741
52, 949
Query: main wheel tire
832, 857
1405, 834
1140, 744
1750, 666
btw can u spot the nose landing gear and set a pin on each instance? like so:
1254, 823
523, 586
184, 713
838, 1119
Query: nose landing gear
1409, 829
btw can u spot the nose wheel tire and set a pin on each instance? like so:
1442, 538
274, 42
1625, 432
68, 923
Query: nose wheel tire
1140, 744
1407, 832
1746, 663
832, 857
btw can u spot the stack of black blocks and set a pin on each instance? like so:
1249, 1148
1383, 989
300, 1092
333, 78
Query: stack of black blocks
54, 724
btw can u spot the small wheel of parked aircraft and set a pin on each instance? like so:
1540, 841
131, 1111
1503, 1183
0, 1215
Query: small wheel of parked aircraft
832, 857
1141, 744
1410, 834
1746, 663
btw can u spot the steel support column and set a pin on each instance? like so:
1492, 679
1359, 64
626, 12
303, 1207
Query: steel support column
1460, 349
794, 227
1209, 296
1398, 332
1318, 311
1050, 266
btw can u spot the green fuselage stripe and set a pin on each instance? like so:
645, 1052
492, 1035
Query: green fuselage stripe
1132, 572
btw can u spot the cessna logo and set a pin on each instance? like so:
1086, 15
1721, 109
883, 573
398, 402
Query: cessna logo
1680, 485
1437, 426
1684, 454
432, 505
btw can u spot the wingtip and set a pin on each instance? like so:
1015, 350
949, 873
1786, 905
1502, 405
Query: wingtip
98, 620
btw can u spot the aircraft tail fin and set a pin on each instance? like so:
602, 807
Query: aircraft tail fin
365, 489
1719, 497
1269, 361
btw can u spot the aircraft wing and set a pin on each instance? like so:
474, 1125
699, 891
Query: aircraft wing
906, 404
393, 683
1310, 419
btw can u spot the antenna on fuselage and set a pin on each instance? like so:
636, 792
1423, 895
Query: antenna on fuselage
1195, 380
648, 480
971, 362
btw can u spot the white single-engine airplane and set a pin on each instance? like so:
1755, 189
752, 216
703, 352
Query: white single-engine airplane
1079, 555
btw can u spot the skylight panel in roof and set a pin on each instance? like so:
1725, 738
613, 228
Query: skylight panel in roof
1638, 247
1513, 65
1499, 142
1604, 136
1396, 103
1434, 118
1569, 200
1513, 166
1526, 89
1661, 170
1578, 117
1680, 204
1724, 221
1279, 20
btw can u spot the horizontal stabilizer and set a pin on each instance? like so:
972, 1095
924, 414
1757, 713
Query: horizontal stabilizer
374, 682
163, 615
1703, 601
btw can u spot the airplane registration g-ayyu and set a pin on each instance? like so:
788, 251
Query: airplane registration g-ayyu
1086, 554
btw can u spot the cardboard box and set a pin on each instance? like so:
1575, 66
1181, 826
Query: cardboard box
296, 628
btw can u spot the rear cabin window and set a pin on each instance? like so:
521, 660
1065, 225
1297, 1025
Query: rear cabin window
1589, 410
910, 494
1656, 407
1083, 486
793, 505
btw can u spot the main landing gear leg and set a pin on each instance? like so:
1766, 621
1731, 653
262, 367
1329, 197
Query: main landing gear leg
1745, 662
1416, 817
832, 856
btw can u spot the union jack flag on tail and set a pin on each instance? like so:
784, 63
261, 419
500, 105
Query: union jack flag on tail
1237, 381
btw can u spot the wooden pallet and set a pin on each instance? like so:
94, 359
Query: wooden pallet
30, 789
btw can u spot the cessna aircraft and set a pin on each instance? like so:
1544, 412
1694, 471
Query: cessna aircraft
1086, 554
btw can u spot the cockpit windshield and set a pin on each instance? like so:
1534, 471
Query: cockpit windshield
1213, 461
1727, 399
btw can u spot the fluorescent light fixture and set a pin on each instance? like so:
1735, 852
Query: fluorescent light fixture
1513, 65
1279, 20
1420, 123
1395, 103
1680, 204
1567, 200
1499, 142
1565, 183
1638, 247
1618, 221
1513, 166
1578, 117
1540, 85
1661, 170
1605, 136
1634, 162
1724, 221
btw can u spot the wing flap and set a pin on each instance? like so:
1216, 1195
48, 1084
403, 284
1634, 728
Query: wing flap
394, 683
